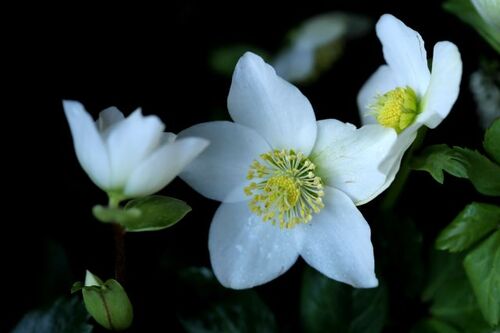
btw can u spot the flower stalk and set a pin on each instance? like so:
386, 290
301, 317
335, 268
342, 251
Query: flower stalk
119, 236
394, 192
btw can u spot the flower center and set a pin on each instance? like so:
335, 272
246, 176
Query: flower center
285, 190
396, 108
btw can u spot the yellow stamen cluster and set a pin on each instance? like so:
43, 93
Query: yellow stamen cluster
284, 188
396, 108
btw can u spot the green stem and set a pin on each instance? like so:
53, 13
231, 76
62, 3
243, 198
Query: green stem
114, 201
397, 186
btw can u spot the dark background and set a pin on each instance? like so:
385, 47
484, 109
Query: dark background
157, 58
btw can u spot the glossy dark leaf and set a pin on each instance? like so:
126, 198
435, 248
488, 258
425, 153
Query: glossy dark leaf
471, 225
331, 306
483, 269
64, 316
491, 141
463, 163
451, 296
221, 309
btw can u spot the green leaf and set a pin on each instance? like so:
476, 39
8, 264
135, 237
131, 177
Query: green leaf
219, 309
109, 305
464, 10
491, 141
436, 159
157, 212
462, 163
368, 310
65, 315
472, 224
433, 325
77, 286
224, 59
325, 304
484, 174
331, 306
483, 269
115, 215
238, 315
451, 296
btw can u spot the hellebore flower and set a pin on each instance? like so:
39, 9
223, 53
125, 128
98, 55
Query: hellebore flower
404, 95
316, 44
289, 185
128, 157
484, 87
489, 10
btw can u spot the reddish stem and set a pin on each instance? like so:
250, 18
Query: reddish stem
119, 233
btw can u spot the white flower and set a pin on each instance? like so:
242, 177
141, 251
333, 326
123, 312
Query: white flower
489, 10
289, 184
92, 280
404, 94
317, 43
484, 87
128, 157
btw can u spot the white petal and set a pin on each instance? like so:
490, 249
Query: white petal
444, 85
330, 27
109, 117
390, 166
246, 252
348, 158
337, 242
92, 280
89, 146
486, 93
163, 165
404, 52
322, 29
261, 100
129, 142
295, 64
379, 83
220, 172
167, 137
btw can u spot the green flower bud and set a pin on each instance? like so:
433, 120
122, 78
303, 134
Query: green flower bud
107, 303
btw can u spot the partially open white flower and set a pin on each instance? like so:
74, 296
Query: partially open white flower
289, 184
317, 43
404, 95
484, 87
489, 10
128, 157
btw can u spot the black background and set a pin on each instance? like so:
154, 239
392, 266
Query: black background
157, 58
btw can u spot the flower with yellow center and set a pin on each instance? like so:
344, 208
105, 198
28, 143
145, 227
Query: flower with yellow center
286, 190
289, 184
403, 94
396, 109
